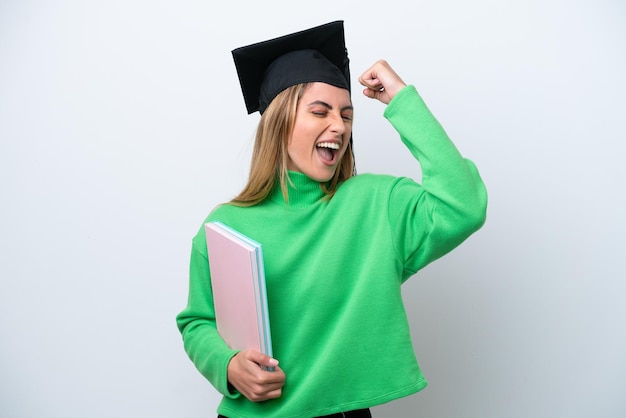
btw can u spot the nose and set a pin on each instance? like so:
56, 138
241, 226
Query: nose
337, 124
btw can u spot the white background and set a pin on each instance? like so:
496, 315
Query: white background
122, 125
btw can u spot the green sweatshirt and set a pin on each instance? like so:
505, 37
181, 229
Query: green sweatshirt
334, 270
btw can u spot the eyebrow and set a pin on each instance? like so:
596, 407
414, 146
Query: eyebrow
329, 107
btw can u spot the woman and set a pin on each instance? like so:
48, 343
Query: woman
337, 246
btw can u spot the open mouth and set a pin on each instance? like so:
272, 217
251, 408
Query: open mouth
328, 151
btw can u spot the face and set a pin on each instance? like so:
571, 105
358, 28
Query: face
321, 132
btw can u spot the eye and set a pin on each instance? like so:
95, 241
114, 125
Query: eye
319, 113
346, 117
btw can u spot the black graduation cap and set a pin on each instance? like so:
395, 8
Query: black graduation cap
267, 68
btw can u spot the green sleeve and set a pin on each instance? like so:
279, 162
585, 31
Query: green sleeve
430, 219
204, 346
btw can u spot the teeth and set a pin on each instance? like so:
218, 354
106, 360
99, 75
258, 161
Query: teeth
330, 145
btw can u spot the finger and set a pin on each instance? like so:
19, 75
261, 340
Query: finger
370, 93
274, 394
263, 395
373, 77
370, 81
268, 386
379, 95
276, 377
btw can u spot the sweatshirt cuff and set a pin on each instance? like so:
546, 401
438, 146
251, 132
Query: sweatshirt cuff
223, 385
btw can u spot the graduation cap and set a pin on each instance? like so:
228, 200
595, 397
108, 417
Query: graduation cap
267, 68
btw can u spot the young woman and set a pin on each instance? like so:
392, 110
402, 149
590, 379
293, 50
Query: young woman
337, 246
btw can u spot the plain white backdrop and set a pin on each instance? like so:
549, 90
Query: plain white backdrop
122, 125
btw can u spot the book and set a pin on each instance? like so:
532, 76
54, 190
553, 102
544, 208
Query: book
239, 291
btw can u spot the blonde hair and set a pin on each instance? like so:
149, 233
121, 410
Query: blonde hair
270, 157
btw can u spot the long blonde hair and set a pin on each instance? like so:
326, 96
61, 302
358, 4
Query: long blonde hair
270, 157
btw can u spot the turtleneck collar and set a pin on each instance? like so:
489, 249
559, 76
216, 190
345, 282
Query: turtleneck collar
302, 190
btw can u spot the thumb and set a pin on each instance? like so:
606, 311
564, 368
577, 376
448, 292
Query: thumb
262, 359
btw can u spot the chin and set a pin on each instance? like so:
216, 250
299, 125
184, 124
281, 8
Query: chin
321, 177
